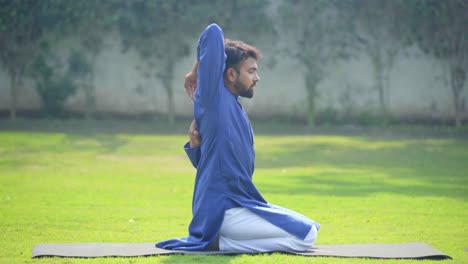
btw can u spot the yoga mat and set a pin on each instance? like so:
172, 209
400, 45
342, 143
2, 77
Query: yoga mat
385, 251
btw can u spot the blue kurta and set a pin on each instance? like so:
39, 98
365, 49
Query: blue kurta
225, 158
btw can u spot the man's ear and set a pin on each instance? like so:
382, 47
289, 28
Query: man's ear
231, 74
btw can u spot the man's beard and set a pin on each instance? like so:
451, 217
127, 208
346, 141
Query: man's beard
243, 90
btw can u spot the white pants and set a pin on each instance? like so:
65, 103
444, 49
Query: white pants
244, 231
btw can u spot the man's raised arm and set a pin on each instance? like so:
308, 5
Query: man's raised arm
210, 65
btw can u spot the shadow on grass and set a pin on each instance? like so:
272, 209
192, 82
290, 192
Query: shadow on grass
330, 184
364, 167
103, 143
341, 166
160, 126
87, 127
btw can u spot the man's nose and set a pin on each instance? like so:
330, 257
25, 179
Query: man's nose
257, 77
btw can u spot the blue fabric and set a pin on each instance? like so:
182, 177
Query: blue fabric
193, 154
225, 158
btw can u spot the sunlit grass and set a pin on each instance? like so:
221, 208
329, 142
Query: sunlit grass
67, 187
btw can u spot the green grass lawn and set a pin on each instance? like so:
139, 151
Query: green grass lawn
137, 187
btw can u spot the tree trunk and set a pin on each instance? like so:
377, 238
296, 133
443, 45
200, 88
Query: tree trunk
12, 96
171, 106
166, 78
311, 88
457, 77
389, 61
15, 77
379, 83
90, 93
311, 113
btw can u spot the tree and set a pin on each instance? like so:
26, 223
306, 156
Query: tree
53, 84
164, 32
440, 28
23, 26
97, 19
379, 32
248, 20
159, 31
316, 37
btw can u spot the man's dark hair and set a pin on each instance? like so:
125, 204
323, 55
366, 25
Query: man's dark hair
238, 51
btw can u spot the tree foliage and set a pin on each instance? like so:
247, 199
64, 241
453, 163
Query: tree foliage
96, 19
24, 26
52, 85
440, 28
164, 32
380, 33
160, 32
317, 37
315, 33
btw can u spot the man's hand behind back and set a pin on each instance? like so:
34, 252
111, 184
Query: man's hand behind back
194, 136
191, 81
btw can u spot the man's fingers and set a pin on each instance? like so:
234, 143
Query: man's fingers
190, 90
194, 133
191, 94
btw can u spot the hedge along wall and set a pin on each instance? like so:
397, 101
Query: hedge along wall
417, 89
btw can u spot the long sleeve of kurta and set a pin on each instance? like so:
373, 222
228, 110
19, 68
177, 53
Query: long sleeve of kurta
225, 161
211, 59
193, 154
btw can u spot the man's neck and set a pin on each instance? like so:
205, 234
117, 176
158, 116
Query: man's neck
230, 87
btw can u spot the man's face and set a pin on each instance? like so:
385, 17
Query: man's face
247, 78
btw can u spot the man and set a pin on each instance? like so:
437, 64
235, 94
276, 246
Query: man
229, 213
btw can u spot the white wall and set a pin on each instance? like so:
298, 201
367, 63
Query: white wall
416, 88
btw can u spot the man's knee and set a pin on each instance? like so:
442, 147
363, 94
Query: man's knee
311, 237
308, 242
